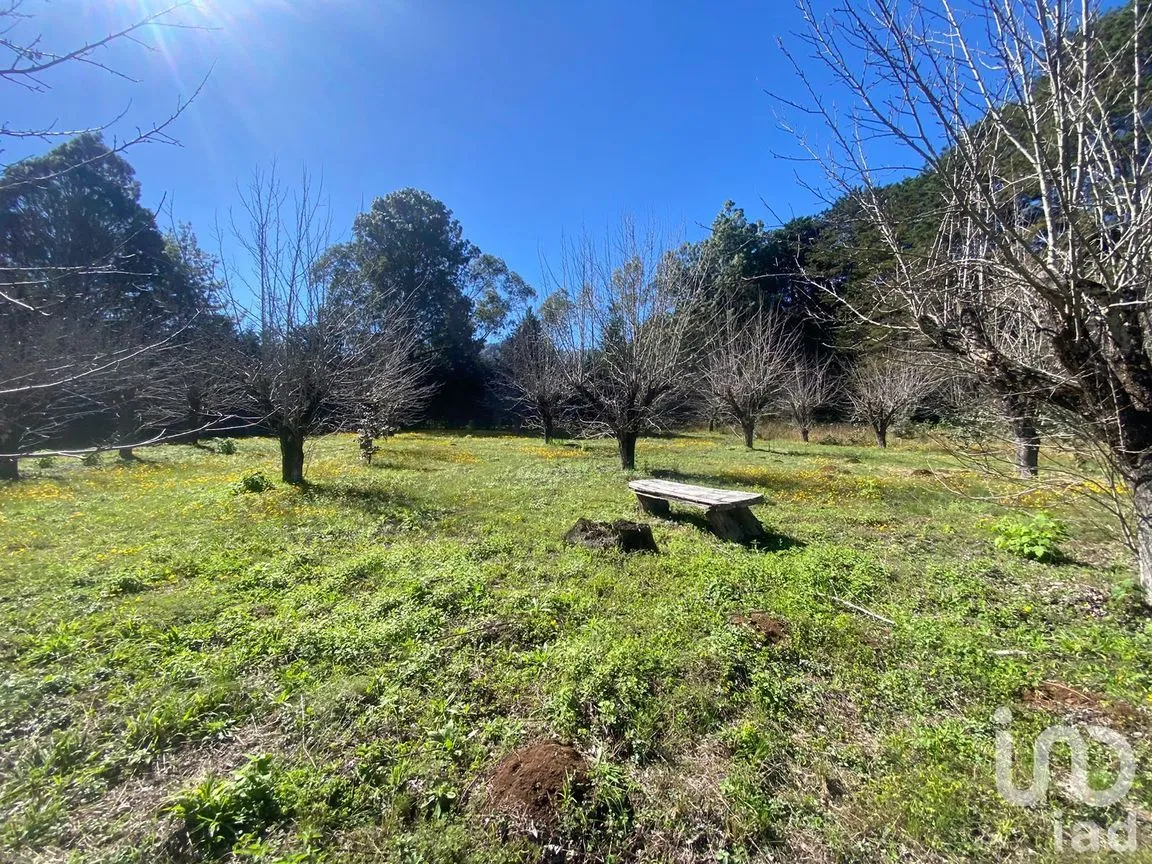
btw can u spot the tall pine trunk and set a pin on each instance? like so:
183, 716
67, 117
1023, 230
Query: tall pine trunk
291, 456
627, 444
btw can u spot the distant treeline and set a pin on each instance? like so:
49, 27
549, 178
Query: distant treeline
79, 247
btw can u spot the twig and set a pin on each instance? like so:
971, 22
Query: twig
842, 602
1067, 689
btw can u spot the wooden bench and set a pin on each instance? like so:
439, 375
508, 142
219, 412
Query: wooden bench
726, 510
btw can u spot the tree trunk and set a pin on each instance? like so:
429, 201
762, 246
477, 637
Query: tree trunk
1142, 504
9, 468
627, 444
804, 434
194, 419
193, 436
1027, 438
549, 431
292, 456
1027, 446
1027, 451
881, 430
749, 429
126, 428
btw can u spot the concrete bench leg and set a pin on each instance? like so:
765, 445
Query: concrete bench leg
737, 525
654, 506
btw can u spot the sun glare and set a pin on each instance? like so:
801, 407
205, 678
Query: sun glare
212, 13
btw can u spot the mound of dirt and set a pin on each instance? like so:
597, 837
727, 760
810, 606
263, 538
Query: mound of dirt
528, 783
1057, 698
768, 629
622, 534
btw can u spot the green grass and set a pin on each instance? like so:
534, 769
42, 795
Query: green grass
195, 672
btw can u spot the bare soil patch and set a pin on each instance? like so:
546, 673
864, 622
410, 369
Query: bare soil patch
528, 784
767, 628
1083, 705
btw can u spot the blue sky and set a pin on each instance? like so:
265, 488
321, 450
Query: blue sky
528, 118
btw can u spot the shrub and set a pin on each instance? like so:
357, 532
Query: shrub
255, 482
45, 462
90, 459
1037, 538
226, 447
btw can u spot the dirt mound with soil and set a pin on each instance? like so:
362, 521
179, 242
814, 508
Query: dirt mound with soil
528, 784
766, 628
622, 534
1057, 698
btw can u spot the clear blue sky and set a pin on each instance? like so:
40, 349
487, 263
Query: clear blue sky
528, 118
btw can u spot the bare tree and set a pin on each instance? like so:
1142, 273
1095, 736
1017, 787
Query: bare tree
884, 389
187, 389
30, 414
747, 368
398, 392
1034, 118
1011, 329
59, 373
624, 331
59, 367
533, 373
315, 363
808, 386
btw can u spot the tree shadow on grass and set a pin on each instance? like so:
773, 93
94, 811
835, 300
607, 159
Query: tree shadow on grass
400, 465
765, 481
807, 454
133, 461
677, 476
724, 479
671, 435
373, 500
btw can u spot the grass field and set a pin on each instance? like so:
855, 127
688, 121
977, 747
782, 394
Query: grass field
330, 673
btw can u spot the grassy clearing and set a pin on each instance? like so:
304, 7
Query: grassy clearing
328, 674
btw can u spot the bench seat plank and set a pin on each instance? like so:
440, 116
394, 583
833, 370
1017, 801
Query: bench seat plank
698, 496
